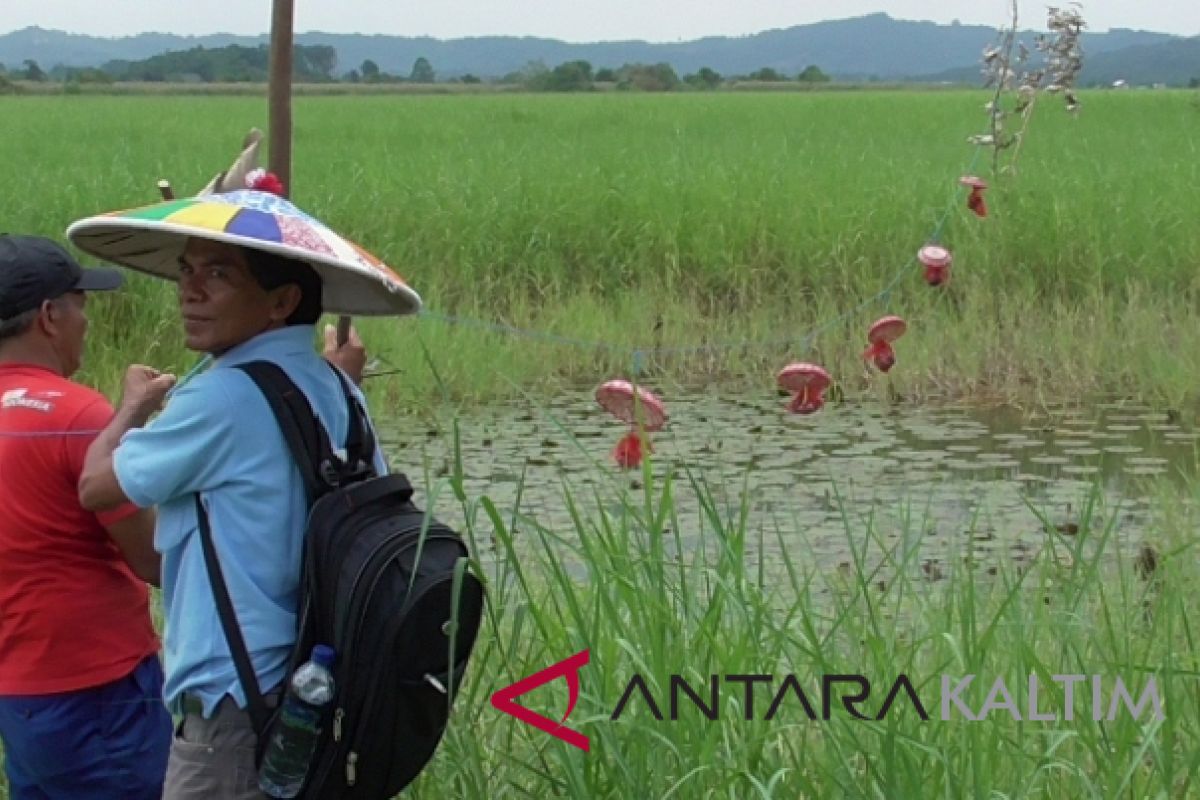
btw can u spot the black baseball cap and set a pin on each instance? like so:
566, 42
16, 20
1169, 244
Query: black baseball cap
34, 269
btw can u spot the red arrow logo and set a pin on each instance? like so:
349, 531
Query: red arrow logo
567, 668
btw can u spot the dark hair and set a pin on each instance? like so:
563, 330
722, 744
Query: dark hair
22, 323
18, 325
271, 271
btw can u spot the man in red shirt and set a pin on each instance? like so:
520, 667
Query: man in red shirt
81, 711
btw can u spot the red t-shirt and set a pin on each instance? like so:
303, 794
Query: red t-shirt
72, 613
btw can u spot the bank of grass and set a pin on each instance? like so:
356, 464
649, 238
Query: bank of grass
1081, 606
1012, 347
731, 217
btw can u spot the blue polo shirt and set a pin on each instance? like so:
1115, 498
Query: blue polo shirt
217, 436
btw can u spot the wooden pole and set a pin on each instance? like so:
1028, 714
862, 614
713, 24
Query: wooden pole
279, 96
279, 93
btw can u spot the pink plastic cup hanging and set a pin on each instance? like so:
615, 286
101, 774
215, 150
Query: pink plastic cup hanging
975, 200
808, 382
880, 337
640, 409
936, 260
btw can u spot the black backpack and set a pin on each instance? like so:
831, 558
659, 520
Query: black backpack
385, 585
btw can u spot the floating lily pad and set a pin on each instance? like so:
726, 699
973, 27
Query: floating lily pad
968, 466
1147, 461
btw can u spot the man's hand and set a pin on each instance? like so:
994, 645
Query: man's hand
351, 356
145, 390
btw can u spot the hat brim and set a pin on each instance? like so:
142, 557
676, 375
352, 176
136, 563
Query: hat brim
99, 279
353, 281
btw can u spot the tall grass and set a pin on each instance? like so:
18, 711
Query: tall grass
720, 219
620, 584
652, 590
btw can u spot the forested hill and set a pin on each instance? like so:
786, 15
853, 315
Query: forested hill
874, 46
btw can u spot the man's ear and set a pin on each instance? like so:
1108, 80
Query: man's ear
284, 300
48, 316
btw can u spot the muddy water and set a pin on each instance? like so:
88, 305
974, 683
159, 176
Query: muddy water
935, 482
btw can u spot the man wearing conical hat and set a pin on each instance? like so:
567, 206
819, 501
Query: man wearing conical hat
254, 274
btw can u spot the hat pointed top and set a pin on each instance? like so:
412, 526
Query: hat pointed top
234, 178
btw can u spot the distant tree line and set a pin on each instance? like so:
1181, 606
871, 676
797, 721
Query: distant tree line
319, 64
369, 72
579, 76
232, 64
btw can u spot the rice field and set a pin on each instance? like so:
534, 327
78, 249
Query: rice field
695, 236
698, 239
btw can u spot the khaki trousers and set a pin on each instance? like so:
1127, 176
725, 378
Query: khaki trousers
213, 759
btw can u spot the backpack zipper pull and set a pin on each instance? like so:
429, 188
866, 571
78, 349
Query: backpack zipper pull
337, 724
351, 772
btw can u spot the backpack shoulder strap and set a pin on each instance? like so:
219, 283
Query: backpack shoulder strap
360, 439
260, 715
302, 430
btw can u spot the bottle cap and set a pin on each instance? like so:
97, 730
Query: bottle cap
323, 654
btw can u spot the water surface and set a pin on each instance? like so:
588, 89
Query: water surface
953, 481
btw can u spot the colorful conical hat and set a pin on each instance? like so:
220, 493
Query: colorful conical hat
152, 238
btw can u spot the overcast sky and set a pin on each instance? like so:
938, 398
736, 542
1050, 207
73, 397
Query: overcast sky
590, 21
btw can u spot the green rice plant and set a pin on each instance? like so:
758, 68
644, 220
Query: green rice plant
712, 233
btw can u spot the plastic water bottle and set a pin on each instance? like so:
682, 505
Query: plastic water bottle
289, 753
